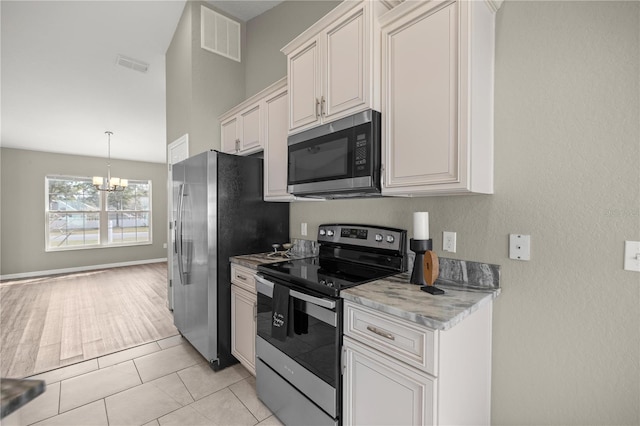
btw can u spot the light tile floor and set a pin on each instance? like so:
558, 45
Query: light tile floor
157, 384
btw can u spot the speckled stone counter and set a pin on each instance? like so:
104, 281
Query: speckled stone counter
395, 296
16, 393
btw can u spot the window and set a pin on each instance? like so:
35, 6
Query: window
79, 216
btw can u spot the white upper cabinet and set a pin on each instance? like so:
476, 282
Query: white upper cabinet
275, 144
333, 67
260, 124
437, 98
241, 129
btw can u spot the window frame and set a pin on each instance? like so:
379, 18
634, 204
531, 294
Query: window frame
103, 214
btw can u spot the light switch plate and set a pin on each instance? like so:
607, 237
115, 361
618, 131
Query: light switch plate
632, 256
303, 229
449, 241
519, 247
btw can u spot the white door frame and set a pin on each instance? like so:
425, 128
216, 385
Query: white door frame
177, 151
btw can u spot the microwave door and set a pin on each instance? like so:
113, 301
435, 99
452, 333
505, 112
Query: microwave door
337, 159
319, 160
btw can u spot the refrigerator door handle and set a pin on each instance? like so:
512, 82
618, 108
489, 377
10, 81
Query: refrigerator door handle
178, 229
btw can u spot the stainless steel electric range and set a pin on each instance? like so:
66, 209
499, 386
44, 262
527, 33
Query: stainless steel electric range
299, 318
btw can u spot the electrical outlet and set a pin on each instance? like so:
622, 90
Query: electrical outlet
632, 256
519, 247
303, 228
449, 241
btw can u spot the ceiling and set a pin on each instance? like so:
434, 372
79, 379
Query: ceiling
61, 86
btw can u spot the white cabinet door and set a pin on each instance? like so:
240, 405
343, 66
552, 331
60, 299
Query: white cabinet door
241, 129
229, 131
379, 390
275, 147
420, 100
250, 129
345, 75
333, 67
243, 327
437, 98
304, 85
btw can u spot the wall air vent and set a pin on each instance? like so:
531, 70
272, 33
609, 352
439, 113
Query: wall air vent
219, 34
132, 64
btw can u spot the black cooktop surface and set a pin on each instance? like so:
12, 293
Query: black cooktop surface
325, 276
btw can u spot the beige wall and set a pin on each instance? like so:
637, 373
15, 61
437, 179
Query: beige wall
178, 78
22, 226
270, 32
201, 85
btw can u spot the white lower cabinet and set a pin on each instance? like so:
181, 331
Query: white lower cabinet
379, 390
397, 372
243, 316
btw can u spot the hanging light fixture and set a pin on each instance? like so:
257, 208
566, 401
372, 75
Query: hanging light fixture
112, 184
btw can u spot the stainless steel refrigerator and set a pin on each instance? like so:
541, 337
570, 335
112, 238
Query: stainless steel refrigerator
219, 213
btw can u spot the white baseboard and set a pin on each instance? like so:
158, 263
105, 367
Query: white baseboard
79, 269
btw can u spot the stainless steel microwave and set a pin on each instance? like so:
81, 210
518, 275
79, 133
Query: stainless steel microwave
336, 160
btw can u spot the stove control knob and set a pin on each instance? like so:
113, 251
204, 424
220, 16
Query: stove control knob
379, 237
330, 233
322, 231
323, 282
390, 238
330, 284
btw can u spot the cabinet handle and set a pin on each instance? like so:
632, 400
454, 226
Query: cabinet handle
317, 108
255, 312
240, 277
323, 110
381, 333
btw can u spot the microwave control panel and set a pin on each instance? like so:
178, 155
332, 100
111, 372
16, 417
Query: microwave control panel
361, 152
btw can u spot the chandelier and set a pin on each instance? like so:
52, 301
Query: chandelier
111, 184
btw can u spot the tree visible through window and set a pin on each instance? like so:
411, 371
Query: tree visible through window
80, 216
129, 213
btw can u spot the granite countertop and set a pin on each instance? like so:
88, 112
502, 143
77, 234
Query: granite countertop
396, 296
16, 393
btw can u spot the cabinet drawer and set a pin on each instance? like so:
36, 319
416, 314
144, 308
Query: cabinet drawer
243, 277
403, 340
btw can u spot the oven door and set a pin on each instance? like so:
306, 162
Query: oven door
340, 157
304, 365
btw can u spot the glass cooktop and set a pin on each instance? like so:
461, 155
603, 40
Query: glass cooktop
326, 276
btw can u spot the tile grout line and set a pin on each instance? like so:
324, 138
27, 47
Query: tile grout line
136, 367
60, 398
185, 385
106, 413
242, 402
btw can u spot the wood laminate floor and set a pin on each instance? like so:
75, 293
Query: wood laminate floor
48, 322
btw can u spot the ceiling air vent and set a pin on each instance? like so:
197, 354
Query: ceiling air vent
133, 64
219, 34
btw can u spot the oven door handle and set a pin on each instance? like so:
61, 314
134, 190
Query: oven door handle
325, 303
